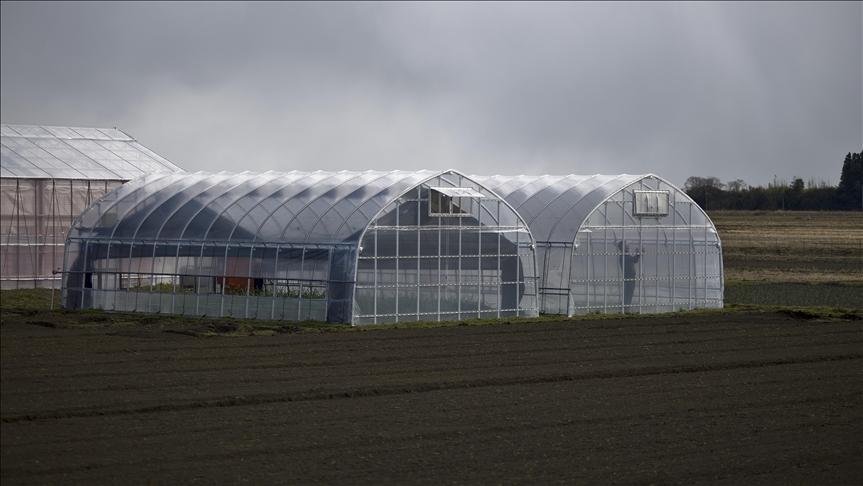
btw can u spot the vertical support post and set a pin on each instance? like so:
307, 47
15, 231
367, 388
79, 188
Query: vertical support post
63, 271
275, 280
398, 255
605, 278
53, 239
248, 282
34, 239
692, 258
302, 279
116, 275
152, 278
673, 276
224, 282
518, 276
439, 259
479, 257
706, 276
198, 280
419, 251
589, 263
18, 232
499, 279
569, 300
656, 268
375, 290
84, 280
640, 266
623, 258
459, 273
177, 276
329, 269
137, 278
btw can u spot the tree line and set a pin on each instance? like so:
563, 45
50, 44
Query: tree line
710, 193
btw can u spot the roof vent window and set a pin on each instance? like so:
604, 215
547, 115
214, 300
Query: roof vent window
651, 203
451, 201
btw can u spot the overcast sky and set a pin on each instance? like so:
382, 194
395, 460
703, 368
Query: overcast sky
734, 90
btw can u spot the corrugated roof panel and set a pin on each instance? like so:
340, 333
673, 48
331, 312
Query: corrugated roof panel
31, 151
116, 134
63, 132
6, 131
18, 166
153, 155
554, 206
296, 207
31, 131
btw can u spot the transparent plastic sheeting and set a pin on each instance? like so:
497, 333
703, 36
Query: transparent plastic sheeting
35, 215
48, 176
358, 247
45, 152
594, 254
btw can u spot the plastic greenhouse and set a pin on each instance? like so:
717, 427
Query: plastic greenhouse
616, 243
354, 247
48, 176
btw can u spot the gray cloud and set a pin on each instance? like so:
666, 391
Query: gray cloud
732, 90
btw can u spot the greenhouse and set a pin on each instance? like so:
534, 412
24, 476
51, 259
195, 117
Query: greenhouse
354, 247
48, 176
616, 243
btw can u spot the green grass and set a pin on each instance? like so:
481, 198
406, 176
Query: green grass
840, 295
33, 307
28, 299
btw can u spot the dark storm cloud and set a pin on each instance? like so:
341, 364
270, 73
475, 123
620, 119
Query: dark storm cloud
732, 90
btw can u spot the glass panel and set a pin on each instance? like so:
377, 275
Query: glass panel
32, 131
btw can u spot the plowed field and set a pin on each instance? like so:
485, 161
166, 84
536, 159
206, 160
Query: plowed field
731, 398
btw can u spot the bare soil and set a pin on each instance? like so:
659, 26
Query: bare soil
733, 398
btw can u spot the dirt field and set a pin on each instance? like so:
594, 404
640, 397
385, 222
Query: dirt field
734, 398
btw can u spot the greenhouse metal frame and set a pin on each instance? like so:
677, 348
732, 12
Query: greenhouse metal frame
48, 176
356, 247
616, 243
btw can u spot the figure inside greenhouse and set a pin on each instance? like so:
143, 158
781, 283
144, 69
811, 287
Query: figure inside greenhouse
629, 262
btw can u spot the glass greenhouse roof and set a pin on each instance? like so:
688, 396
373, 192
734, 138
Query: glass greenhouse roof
271, 207
44, 152
554, 206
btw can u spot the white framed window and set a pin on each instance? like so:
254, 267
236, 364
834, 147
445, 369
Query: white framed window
651, 203
452, 201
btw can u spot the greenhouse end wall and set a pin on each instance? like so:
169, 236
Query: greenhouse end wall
48, 176
35, 215
350, 247
415, 264
626, 262
616, 243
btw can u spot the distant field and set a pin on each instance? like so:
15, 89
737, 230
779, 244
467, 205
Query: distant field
786, 246
800, 258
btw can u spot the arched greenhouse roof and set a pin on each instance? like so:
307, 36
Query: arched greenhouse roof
554, 207
271, 207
